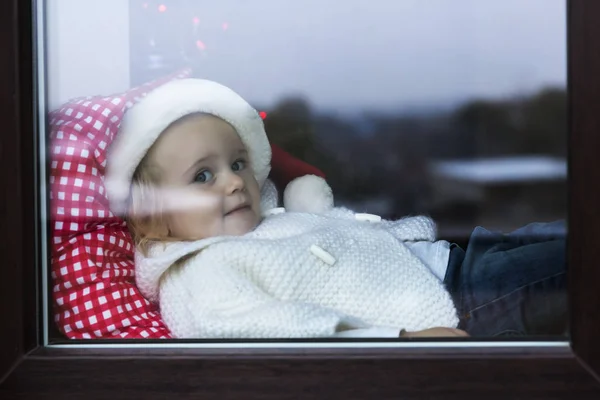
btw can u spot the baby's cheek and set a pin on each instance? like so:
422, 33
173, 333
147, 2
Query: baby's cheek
200, 222
210, 220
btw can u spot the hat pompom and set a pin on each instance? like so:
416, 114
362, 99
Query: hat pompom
308, 193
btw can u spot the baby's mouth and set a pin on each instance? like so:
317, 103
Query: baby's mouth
239, 209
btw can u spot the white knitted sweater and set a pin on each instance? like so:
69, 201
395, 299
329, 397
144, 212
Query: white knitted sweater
298, 275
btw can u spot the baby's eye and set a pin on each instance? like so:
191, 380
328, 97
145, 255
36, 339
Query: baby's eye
238, 165
203, 176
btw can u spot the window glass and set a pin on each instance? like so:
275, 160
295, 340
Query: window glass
451, 112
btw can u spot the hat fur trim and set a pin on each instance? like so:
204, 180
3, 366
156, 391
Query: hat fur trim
144, 122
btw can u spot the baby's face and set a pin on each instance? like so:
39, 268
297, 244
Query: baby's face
207, 185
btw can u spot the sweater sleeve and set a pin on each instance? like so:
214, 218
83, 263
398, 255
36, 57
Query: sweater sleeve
412, 228
227, 305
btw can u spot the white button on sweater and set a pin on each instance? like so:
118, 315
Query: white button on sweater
269, 284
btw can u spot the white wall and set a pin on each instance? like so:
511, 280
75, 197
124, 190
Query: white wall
87, 48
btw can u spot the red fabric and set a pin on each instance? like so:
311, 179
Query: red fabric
285, 167
94, 293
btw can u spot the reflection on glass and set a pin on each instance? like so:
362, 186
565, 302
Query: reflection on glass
439, 127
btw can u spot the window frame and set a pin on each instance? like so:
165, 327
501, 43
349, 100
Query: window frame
31, 370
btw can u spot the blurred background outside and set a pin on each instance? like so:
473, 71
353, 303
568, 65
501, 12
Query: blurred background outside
456, 109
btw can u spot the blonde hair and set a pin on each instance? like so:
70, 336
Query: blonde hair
145, 218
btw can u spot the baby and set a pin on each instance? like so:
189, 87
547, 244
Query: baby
189, 171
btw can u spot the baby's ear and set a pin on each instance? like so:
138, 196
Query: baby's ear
308, 193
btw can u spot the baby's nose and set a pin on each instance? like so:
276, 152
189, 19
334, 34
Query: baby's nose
234, 183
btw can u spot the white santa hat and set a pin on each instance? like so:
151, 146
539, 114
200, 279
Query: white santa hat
144, 122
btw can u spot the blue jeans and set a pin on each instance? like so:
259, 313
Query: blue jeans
511, 284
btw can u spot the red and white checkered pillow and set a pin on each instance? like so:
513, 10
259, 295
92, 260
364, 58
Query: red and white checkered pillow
94, 288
